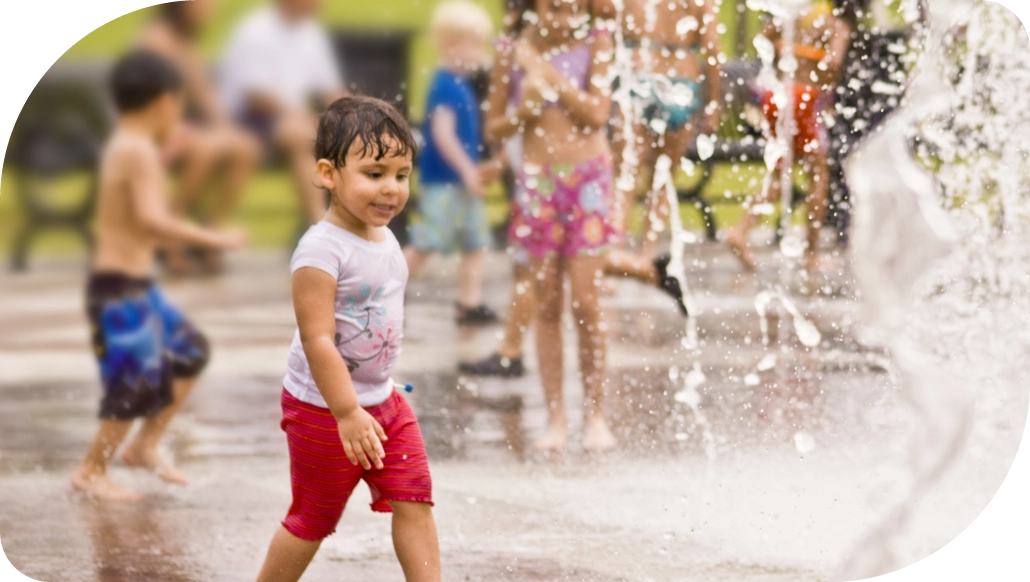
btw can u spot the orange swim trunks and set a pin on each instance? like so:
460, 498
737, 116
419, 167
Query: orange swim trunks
809, 102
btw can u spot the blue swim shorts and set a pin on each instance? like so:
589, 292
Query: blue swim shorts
142, 342
452, 220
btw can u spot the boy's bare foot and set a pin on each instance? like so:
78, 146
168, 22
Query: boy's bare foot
738, 243
137, 456
98, 486
555, 439
597, 437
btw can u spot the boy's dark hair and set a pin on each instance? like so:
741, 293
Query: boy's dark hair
369, 120
140, 77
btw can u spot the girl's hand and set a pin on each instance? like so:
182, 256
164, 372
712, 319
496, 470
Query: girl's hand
527, 57
362, 438
490, 171
533, 88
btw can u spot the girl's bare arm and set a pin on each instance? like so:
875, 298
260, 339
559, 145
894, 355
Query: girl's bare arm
314, 302
591, 105
499, 125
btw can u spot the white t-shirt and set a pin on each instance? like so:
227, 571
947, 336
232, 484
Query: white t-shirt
370, 278
290, 61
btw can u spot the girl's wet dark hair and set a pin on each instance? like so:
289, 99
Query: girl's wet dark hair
376, 125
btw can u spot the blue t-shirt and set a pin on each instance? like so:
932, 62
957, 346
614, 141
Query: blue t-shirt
454, 92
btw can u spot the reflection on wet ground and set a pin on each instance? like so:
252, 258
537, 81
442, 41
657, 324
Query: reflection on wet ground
807, 443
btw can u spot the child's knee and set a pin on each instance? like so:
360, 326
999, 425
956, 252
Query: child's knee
190, 356
411, 510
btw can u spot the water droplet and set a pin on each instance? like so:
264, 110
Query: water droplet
705, 146
804, 442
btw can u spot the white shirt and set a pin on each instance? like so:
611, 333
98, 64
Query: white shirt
291, 61
370, 278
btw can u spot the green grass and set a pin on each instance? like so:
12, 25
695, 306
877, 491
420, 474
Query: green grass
270, 213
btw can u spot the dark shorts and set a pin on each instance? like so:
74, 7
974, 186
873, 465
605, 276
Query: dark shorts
142, 342
262, 126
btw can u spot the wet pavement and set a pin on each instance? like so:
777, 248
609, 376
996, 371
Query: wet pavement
806, 448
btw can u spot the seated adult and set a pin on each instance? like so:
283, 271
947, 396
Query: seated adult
279, 63
215, 155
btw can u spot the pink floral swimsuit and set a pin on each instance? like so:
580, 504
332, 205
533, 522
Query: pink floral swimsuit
564, 208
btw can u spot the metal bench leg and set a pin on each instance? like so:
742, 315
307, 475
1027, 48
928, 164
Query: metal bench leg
20, 249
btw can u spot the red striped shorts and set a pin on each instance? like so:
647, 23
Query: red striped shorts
323, 478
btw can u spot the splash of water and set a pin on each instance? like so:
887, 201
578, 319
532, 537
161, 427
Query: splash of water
953, 243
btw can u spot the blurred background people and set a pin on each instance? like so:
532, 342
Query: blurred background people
452, 178
562, 207
215, 156
672, 82
820, 46
277, 70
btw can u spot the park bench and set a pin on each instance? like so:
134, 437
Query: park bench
58, 134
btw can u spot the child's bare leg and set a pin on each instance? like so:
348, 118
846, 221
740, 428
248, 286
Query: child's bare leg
91, 475
619, 263
243, 153
296, 136
415, 259
816, 202
548, 281
586, 275
521, 314
287, 558
738, 237
142, 451
199, 162
470, 278
674, 145
415, 541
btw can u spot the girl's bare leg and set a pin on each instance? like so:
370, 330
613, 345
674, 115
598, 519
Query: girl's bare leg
520, 316
619, 263
415, 541
91, 475
738, 237
415, 259
586, 275
142, 451
548, 282
818, 193
287, 558
673, 144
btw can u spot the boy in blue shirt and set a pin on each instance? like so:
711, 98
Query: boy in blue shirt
452, 178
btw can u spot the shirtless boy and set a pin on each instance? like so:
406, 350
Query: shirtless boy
819, 49
149, 354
